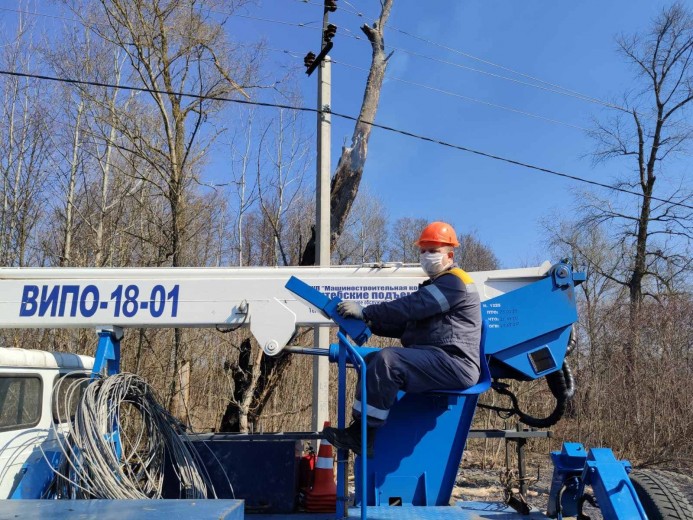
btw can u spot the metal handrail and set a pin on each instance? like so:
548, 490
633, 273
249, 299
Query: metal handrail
344, 347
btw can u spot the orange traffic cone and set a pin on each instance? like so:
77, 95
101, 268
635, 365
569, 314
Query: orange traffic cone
323, 497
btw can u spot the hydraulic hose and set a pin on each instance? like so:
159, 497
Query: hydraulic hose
559, 389
561, 384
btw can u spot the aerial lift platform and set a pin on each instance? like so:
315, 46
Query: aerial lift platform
528, 316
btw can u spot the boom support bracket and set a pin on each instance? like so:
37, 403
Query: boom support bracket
575, 468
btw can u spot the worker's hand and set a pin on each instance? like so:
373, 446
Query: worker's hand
350, 310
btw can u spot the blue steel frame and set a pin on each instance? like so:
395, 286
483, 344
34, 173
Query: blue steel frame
344, 348
107, 352
575, 468
108, 357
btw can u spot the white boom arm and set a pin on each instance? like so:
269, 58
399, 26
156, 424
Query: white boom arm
208, 297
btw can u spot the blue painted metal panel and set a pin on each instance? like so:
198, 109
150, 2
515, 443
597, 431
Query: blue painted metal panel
36, 474
460, 511
567, 469
527, 313
418, 450
122, 509
107, 354
355, 329
528, 319
575, 468
518, 357
612, 488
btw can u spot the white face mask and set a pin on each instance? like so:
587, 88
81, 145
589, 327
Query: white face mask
432, 263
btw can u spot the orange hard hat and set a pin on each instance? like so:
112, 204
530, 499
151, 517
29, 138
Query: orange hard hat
438, 233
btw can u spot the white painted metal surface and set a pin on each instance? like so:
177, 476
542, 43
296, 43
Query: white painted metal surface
25, 358
207, 297
16, 445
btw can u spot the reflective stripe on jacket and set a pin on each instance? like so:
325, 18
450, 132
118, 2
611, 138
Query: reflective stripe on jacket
444, 312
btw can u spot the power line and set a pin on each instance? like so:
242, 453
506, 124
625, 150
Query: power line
567, 91
554, 88
505, 78
349, 118
306, 25
296, 54
467, 98
54, 16
558, 89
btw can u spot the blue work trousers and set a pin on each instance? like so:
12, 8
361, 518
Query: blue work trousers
415, 369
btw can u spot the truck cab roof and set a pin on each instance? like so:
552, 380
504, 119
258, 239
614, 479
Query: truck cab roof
31, 358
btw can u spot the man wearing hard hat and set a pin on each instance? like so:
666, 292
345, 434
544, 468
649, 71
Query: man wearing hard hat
440, 328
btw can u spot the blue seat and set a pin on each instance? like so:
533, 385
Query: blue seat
420, 446
485, 373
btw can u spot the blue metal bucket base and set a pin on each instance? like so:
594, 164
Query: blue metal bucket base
122, 509
461, 511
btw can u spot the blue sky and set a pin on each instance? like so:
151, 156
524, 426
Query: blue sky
571, 44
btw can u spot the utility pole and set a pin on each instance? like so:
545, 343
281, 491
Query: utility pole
321, 368
321, 373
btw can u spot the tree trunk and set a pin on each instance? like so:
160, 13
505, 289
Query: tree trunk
254, 379
100, 258
347, 177
67, 237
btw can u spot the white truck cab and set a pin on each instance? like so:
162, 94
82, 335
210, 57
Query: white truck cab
28, 408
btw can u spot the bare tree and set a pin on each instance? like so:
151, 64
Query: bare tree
405, 231
241, 157
365, 236
171, 48
282, 161
347, 177
473, 255
651, 128
24, 148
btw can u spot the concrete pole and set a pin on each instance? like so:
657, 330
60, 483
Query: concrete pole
321, 374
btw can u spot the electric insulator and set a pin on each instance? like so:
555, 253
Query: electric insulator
331, 5
330, 31
308, 59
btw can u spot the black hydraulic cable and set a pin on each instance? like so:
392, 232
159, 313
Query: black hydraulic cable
586, 497
569, 380
561, 384
557, 384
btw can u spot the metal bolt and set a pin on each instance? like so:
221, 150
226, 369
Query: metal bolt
271, 347
562, 272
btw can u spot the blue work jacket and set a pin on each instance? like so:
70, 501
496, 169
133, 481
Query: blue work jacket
444, 312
